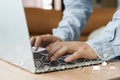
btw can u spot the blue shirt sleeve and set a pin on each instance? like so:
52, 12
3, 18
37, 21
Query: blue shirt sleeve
107, 44
74, 19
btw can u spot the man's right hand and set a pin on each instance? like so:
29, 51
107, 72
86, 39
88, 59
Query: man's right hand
43, 41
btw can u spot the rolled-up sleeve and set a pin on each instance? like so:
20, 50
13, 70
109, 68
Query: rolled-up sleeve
74, 19
107, 44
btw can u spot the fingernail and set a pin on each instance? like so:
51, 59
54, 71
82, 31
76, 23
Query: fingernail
52, 58
67, 60
35, 48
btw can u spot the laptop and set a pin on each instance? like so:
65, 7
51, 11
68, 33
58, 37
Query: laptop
15, 46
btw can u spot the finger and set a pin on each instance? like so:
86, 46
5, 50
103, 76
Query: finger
46, 40
52, 48
37, 43
32, 40
74, 56
62, 51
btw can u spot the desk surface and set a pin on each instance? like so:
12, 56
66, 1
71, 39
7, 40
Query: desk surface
11, 72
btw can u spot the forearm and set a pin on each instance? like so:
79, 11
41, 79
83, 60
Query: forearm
75, 16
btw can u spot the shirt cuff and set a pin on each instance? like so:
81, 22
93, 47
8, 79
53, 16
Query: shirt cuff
104, 50
62, 34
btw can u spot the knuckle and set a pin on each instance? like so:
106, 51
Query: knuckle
48, 34
48, 49
32, 38
84, 47
38, 37
65, 48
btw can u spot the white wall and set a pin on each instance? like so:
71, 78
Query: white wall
45, 4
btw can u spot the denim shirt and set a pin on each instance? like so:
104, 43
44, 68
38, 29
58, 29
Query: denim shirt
75, 16
107, 44
74, 19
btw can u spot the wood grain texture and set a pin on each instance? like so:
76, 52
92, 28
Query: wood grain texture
11, 72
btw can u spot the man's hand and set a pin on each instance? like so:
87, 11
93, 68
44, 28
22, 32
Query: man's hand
43, 41
77, 50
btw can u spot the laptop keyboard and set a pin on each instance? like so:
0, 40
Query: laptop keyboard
42, 65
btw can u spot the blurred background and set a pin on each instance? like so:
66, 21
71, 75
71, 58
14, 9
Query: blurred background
58, 4
44, 15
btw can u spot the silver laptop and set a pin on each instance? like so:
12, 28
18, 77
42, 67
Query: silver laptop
15, 46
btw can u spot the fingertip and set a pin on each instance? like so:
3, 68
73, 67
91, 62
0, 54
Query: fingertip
53, 58
36, 48
37, 43
32, 40
67, 59
47, 48
70, 58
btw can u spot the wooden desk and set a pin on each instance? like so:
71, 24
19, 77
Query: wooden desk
11, 72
